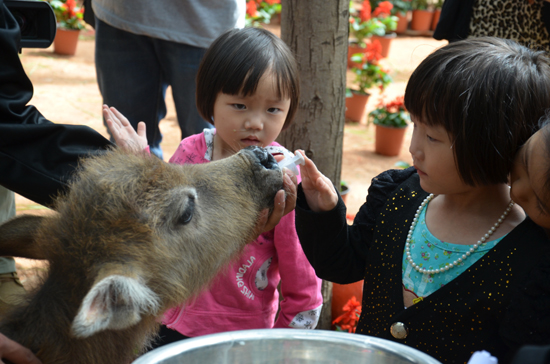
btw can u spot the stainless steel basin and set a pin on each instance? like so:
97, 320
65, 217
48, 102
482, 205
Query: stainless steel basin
277, 346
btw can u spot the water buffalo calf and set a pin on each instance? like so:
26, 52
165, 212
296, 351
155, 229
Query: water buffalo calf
133, 237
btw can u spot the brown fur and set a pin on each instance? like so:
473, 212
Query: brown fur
120, 254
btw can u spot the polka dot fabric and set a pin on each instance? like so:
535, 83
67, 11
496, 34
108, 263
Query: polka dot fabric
461, 317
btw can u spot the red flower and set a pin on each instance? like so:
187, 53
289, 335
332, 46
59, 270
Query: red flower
251, 9
348, 320
271, 2
394, 106
71, 5
364, 14
373, 51
384, 8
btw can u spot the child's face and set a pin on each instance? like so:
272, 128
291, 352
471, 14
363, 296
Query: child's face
527, 180
252, 120
433, 158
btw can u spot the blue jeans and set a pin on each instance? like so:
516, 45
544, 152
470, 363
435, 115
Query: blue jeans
133, 72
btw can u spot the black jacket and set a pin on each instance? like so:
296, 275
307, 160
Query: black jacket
37, 157
470, 313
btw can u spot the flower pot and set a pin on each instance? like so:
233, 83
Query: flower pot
275, 19
388, 141
421, 20
402, 23
356, 106
385, 42
65, 41
435, 19
344, 190
352, 49
341, 293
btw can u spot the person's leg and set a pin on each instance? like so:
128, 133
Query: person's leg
11, 289
130, 78
180, 63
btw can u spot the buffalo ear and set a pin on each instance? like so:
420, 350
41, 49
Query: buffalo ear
114, 302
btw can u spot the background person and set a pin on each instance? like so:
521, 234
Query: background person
37, 157
143, 46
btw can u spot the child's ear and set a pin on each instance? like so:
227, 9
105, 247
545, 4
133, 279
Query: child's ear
114, 302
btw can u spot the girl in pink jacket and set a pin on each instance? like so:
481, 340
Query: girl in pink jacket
247, 87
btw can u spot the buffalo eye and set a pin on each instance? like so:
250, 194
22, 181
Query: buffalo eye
187, 215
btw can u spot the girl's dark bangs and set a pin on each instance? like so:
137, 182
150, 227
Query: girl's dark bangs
424, 98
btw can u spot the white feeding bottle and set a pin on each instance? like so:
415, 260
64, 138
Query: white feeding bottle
291, 161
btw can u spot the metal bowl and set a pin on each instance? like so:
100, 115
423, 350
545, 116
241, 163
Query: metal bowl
292, 346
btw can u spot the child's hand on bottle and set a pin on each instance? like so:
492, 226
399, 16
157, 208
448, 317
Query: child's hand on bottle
318, 189
122, 131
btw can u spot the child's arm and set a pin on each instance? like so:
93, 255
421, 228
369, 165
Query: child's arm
123, 132
318, 189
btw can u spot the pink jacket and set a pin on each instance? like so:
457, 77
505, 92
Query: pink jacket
245, 296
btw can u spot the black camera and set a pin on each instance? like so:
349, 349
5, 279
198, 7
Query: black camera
36, 21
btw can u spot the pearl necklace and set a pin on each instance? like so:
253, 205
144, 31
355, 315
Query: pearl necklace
473, 248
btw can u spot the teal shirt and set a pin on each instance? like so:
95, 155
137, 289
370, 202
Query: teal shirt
429, 252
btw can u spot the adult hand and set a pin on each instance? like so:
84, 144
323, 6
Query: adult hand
123, 132
318, 189
15, 353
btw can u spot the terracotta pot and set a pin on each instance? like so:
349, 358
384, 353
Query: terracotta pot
275, 19
421, 20
385, 41
435, 19
356, 105
352, 49
341, 294
402, 23
388, 141
344, 190
65, 41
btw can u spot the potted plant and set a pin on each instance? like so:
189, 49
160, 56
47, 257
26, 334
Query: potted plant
344, 190
69, 16
260, 12
383, 14
437, 13
368, 73
421, 15
346, 316
359, 30
362, 26
391, 120
402, 9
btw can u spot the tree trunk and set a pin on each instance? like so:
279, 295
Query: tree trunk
317, 33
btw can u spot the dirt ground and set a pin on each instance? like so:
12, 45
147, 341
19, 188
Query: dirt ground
65, 91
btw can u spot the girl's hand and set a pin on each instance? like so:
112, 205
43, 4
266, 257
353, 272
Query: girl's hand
285, 201
319, 190
122, 131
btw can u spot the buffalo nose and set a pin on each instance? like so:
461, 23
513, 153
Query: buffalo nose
264, 157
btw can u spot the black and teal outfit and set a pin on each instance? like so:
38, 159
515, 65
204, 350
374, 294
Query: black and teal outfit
470, 313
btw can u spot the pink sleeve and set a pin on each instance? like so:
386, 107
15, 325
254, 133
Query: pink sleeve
300, 287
